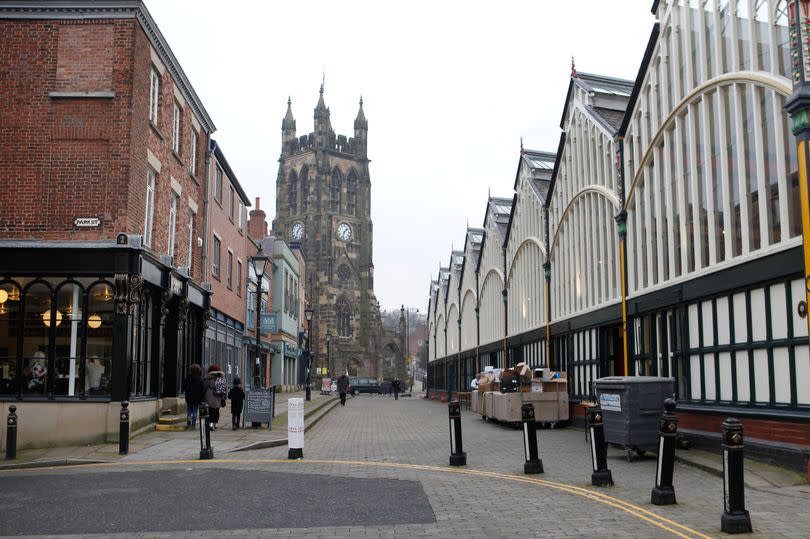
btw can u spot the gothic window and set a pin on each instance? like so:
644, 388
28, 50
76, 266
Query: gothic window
344, 273
344, 318
292, 193
335, 191
351, 193
304, 188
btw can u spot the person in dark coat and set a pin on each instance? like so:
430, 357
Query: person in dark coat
237, 397
343, 388
193, 388
395, 388
213, 396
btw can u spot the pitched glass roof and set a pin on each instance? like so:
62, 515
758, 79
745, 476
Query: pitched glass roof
539, 162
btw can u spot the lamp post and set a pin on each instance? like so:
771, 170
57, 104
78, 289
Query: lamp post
798, 106
308, 316
411, 364
259, 261
328, 353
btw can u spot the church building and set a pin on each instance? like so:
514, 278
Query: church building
323, 202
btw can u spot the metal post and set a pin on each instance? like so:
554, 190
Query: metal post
457, 455
11, 433
206, 451
123, 431
258, 365
533, 463
735, 518
664, 493
601, 476
309, 361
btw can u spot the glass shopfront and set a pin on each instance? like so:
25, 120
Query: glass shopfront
56, 337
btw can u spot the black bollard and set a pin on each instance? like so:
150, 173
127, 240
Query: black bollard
735, 518
457, 455
123, 429
601, 476
533, 463
664, 493
206, 451
11, 433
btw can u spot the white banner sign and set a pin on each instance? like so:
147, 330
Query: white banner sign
609, 401
295, 423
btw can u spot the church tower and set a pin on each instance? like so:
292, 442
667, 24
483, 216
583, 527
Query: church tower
323, 202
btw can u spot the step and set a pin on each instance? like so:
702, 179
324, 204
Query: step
172, 420
171, 428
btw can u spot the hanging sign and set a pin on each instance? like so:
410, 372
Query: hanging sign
269, 323
295, 423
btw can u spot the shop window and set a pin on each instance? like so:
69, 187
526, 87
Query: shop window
69, 341
98, 367
10, 296
36, 328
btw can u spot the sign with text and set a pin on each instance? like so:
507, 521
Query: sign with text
295, 423
269, 323
259, 406
611, 402
87, 222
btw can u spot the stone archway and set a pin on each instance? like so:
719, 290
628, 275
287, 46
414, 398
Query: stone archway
391, 361
353, 366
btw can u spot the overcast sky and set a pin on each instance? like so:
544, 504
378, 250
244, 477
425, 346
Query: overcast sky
449, 88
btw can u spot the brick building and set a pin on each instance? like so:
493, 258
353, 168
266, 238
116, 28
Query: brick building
103, 160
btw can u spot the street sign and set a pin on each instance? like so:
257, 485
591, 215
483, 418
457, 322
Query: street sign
269, 323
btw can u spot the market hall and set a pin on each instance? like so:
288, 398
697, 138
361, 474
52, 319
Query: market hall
663, 237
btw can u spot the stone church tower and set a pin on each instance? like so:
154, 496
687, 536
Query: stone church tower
323, 201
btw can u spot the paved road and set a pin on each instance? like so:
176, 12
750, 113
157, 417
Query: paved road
383, 440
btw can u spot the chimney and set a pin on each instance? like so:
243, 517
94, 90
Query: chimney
257, 222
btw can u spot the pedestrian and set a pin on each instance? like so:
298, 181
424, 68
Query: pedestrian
215, 392
395, 388
237, 397
193, 389
343, 388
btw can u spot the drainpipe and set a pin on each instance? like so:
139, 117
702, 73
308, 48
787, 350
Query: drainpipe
212, 146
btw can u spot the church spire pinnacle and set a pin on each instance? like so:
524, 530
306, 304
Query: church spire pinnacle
360, 123
288, 124
573, 68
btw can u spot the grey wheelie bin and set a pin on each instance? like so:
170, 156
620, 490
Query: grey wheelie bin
631, 406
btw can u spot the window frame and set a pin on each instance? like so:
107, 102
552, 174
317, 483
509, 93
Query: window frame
192, 167
148, 226
154, 96
229, 281
216, 253
176, 125
218, 184
190, 254
170, 244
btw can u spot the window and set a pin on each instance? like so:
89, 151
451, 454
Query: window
239, 278
172, 224
154, 96
230, 269
192, 167
335, 191
176, 129
230, 204
150, 208
189, 255
344, 273
241, 211
215, 257
218, 185
351, 193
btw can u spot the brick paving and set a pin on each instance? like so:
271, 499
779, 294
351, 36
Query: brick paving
386, 436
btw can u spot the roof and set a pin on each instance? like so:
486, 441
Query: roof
540, 165
112, 9
231, 176
553, 181
609, 118
596, 84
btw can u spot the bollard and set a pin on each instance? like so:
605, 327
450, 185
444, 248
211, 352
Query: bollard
295, 428
11, 433
533, 464
123, 429
206, 451
601, 476
664, 493
457, 455
735, 518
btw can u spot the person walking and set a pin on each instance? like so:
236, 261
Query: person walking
193, 388
237, 398
343, 388
395, 388
214, 386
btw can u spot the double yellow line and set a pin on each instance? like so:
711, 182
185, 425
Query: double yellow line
679, 530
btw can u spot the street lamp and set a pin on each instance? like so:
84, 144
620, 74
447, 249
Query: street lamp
259, 261
328, 353
308, 316
411, 364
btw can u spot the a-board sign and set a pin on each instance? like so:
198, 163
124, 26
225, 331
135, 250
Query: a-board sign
259, 406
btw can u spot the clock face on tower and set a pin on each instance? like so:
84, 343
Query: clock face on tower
344, 232
297, 231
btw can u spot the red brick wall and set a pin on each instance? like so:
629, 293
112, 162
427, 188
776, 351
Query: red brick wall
763, 429
63, 158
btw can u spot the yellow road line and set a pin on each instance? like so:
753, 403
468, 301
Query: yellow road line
591, 494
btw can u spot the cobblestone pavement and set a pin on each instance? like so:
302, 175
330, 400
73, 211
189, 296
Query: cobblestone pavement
375, 437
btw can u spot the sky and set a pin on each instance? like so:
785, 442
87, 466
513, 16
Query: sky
449, 88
